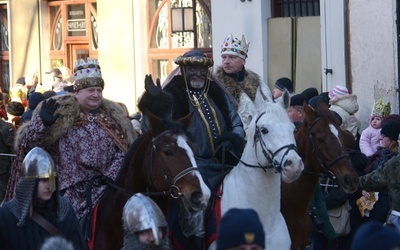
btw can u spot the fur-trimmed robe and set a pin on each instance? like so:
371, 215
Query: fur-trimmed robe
243, 92
79, 147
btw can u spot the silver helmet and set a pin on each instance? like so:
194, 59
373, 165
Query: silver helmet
142, 213
38, 164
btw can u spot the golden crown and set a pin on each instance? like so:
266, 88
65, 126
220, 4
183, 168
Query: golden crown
234, 46
381, 109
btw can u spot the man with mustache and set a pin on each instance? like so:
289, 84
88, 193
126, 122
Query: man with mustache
215, 127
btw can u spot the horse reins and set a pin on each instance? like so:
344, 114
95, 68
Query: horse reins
320, 157
267, 153
180, 175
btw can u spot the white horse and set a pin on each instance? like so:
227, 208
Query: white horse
270, 156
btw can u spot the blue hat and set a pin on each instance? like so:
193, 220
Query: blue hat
373, 235
239, 227
314, 101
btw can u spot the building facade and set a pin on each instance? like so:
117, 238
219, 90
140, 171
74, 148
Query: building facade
316, 43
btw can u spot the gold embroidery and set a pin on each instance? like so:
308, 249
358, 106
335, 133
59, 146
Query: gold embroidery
249, 237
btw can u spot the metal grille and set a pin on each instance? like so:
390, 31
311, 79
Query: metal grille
295, 8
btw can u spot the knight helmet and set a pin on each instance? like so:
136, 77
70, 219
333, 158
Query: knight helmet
142, 213
37, 164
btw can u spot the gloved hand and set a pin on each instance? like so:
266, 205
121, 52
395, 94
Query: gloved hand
153, 90
49, 106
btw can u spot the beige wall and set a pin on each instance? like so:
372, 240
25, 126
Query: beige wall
24, 38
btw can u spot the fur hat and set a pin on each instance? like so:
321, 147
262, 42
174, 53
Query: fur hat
298, 100
15, 108
194, 58
234, 46
391, 129
238, 227
373, 235
310, 93
284, 82
337, 92
87, 74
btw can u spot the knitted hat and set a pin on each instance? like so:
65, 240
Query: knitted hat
284, 82
381, 109
298, 100
391, 129
373, 235
326, 95
310, 93
87, 74
337, 92
194, 58
238, 227
392, 117
234, 46
15, 108
34, 99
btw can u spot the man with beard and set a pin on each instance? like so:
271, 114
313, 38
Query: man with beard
215, 129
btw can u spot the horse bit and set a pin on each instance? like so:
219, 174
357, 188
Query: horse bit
268, 153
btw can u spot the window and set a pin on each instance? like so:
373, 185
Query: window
166, 44
295, 8
73, 32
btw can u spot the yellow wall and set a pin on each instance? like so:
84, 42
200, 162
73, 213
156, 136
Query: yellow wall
24, 38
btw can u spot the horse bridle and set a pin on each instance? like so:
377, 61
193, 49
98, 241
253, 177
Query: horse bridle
320, 157
268, 153
171, 183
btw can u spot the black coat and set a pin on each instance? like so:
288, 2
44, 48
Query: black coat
32, 236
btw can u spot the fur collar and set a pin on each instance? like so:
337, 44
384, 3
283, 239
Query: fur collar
249, 85
69, 111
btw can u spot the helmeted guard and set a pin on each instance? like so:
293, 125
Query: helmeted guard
141, 213
20, 226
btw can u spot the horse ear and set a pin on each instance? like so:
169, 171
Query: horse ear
263, 95
153, 119
285, 99
308, 110
186, 119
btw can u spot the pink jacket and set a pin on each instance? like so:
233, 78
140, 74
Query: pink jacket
370, 140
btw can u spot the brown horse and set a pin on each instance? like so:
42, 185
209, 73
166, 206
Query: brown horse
161, 164
321, 144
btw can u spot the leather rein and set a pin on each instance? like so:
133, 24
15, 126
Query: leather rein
322, 160
273, 163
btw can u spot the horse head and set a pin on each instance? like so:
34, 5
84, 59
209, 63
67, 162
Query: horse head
274, 137
327, 146
171, 166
